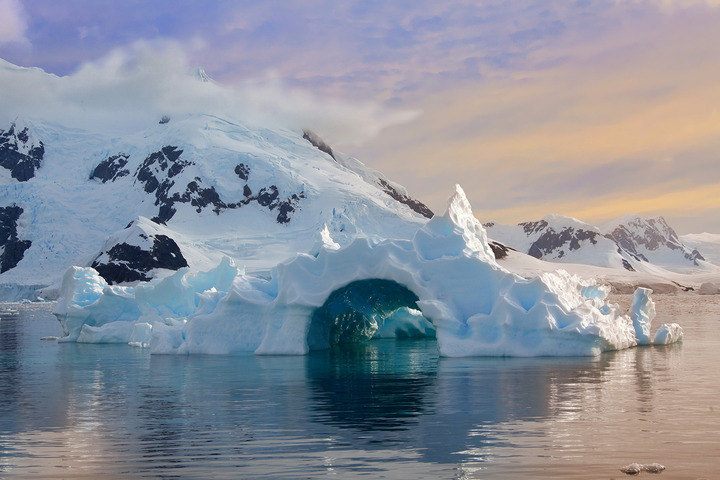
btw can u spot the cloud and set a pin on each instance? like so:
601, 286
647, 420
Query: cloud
648, 201
583, 126
13, 23
669, 5
132, 86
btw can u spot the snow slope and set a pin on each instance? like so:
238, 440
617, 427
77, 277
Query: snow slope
556, 238
654, 241
621, 280
215, 187
631, 243
444, 281
707, 243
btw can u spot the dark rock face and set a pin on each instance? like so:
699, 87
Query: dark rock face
415, 205
651, 233
624, 238
499, 250
18, 155
12, 249
111, 168
551, 241
318, 142
158, 174
533, 227
124, 262
242, 171
159, 167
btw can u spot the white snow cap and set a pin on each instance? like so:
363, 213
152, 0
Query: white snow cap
642, 313
456, 232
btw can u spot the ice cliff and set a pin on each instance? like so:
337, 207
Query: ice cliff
443, 282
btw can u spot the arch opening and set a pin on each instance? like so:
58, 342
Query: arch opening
367, 309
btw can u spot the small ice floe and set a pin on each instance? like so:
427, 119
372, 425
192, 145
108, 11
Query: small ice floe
668, 333
653, 468
50, 339
636, 468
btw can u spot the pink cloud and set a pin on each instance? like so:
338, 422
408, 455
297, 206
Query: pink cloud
13, 23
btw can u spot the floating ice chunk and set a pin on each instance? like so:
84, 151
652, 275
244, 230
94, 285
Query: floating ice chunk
88, 300
642, 313
445, 279
49, 339
220, 278
172, 295
80, 287
405, 323
668, 333
632, 469
653, 468
166, 339
113, 332
141, 335
636, 468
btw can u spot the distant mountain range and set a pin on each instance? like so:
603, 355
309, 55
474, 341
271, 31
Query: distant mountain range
630, 242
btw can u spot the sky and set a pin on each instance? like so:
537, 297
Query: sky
591, 109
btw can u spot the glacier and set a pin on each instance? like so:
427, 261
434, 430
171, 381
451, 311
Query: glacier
444, 282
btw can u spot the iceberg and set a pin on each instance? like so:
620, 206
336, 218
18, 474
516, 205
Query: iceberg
442, 283
642, 311
668, 333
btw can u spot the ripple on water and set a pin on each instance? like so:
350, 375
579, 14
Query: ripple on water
383, 409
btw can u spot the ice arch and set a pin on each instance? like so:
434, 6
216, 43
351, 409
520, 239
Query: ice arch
365, 309
476, 306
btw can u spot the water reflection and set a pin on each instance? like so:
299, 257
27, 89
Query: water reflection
381, 406
378, 385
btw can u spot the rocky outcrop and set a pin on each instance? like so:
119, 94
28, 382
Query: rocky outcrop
386, 186
643, 236
162, 174
499, 250
133, 253
111, 168
415, 205
318, 143
19, 153
12, 248
552, 241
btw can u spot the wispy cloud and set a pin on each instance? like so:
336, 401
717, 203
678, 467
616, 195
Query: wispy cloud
132, 86
625, 111
669, 5
13, 22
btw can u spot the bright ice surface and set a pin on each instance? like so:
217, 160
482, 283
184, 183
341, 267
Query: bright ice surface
668, 333
642, 313
447, 270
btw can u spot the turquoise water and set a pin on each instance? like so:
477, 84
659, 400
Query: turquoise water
384, 409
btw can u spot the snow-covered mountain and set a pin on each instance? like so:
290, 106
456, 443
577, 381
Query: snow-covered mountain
652, 240
556, 238
707, 243
183, 191
630, 242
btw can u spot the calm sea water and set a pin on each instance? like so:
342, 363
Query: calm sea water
387, 409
